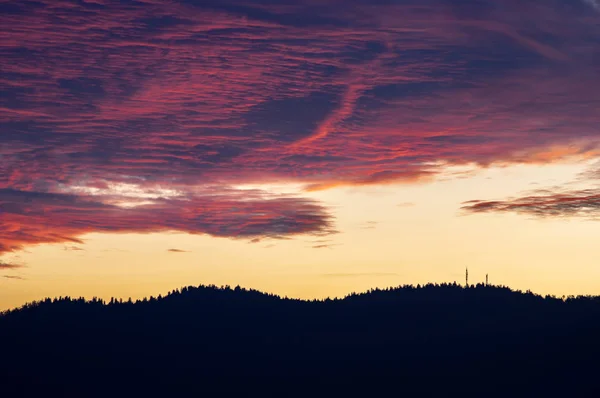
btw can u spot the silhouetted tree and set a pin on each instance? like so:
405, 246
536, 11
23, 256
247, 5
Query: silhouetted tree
210, 340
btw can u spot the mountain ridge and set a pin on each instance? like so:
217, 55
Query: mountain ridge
222, 339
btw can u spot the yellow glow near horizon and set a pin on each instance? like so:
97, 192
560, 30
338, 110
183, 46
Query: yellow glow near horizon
390, 235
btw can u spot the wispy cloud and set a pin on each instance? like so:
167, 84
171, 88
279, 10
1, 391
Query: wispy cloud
225, 213
584, 204
73, 248
369, 225
15, 277
141, 106
325, 245
591, 175
5, 265
177, 251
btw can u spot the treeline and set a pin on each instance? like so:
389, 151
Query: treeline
431, 339
392, 293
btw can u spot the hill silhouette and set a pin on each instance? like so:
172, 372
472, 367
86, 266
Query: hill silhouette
216, 341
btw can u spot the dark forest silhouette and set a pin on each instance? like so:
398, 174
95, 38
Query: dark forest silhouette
211, 341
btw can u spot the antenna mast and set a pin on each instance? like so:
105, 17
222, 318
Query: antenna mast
466, 277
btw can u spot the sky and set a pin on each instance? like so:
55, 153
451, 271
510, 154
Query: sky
307, 148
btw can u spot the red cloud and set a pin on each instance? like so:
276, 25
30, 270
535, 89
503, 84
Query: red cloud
174, 95
32, 217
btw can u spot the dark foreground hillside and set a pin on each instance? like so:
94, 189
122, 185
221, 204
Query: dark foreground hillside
434, 340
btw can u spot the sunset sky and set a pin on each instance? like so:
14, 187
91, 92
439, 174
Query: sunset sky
308, 148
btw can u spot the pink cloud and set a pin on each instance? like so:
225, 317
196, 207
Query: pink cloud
30, 218
172, 95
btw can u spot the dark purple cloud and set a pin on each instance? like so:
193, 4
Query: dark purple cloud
583, 203
34, 217
556, 201
178, 95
